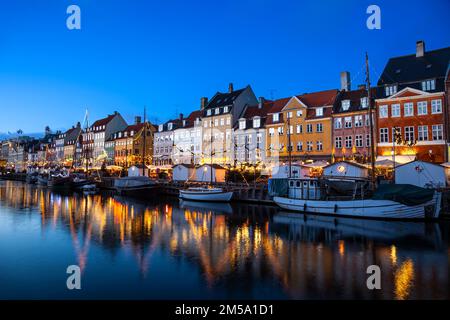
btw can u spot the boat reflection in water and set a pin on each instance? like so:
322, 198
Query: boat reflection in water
168, 249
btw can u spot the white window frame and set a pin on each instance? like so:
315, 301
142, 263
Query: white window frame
436, 106
384, 111
395, 110
408, 109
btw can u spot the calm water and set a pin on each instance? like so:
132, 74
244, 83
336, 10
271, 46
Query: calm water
178, 250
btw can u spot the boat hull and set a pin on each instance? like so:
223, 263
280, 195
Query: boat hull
216, 196
372, 209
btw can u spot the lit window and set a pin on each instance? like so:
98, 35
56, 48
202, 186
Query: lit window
217, 111
242, 124
345, 105
364, 102
275, 117
256, 123
299, 128
225, 109
299, 113
319, 112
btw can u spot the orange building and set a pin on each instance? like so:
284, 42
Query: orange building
302, 126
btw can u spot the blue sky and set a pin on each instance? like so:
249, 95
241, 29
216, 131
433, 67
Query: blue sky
168, 54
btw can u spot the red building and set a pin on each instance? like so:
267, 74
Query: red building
412, 108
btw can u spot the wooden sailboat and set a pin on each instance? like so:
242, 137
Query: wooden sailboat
386, 202
207, 192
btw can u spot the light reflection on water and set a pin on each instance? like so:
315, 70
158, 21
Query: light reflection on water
180, 250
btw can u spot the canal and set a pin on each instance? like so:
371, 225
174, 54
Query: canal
167, 249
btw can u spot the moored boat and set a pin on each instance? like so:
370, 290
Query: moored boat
206, 194
139, 186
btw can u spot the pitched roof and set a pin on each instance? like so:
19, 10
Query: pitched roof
221, 99
190, 120
355, 100
319, 98
409, 70
104, 121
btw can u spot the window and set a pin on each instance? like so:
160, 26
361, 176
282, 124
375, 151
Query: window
242, 124
390, 90
359, 140
358, 121
276, 117
367, 140
208, 112
319, 145
364, 102
249, 139
383, 111
216, 122
338, 123
437, 132
348, 142
271, 132
421, 108
216, 111
222, 121
429, 85
422, 133
300, 146
367, 120
256, 123
319, 112
436, 106
299, 113
299, 128
160, 128
225, 109
280, 131
408, 109
259, 138
409, 133
289, 115
348, 122
309, 128
319, 127
384, 135
309, 145
395, 110
228, 121
290, 130
345, 104
338, 142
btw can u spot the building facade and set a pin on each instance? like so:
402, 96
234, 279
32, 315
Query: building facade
412, 109
163, 144
187, 147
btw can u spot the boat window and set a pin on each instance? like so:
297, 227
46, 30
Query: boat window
305, 184
291, 183
311, 184
298, 184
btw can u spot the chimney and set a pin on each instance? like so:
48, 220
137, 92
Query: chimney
230, 87
362, 87
345, 81
203, 102
261, 102
420, 49
137, 120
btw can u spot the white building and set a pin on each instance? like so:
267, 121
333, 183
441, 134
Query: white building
421, 174
187, 147
163, 142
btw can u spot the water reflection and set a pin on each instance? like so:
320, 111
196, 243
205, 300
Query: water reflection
239, 251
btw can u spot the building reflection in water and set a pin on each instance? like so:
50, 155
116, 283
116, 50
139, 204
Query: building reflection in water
243, 247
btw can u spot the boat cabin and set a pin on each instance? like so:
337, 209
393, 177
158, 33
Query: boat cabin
306, 189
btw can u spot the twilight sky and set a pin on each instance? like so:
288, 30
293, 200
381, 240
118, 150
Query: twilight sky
168, 54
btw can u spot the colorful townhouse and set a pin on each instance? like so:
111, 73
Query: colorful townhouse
164, 143
219, 118
187, 147
71, 141
250, 135
351, 123
412, 107
129, 144
300, 128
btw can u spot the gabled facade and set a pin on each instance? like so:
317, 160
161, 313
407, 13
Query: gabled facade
71, 141
219, 117
412, 102
351, 134
164, 142
250, 135
188, 140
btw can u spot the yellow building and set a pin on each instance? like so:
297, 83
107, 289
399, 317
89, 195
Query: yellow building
302, 123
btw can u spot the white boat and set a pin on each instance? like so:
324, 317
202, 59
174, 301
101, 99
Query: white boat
205, 207
206, 194
89, 189
306, 196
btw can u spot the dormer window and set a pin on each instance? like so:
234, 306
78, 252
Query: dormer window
364, 102
429, 85
132, 133
208, 112
345, 105
390, 90
256, 123
169, 126
319, 112
276, 117
225, 109
184, 123
160, 128
120, 134
242, 124
216, 111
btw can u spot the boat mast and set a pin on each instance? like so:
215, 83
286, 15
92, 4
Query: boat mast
372, 145
144, 144
288, 131
211, 151
86, 149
